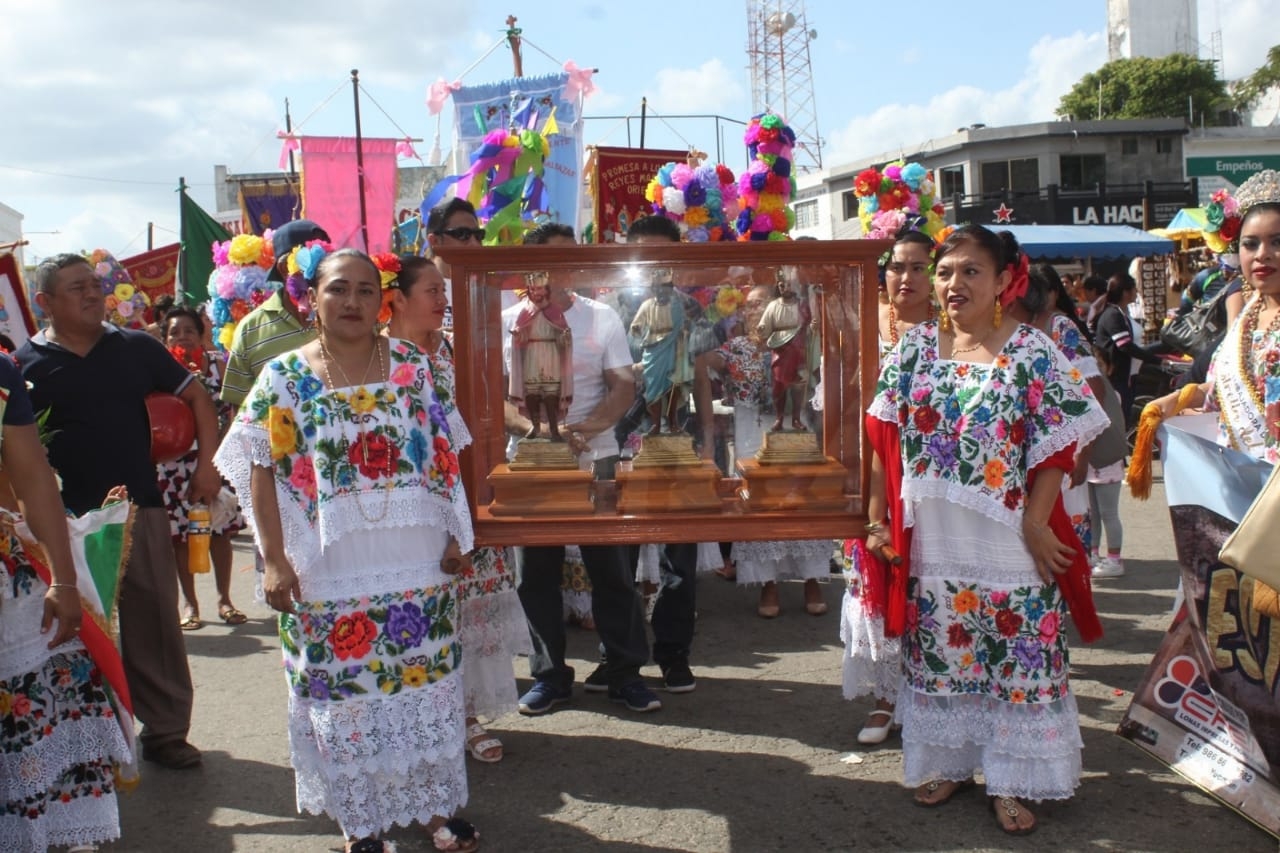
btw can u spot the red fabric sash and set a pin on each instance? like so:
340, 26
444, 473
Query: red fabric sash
1076, 582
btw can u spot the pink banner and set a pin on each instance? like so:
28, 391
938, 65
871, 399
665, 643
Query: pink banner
330, 189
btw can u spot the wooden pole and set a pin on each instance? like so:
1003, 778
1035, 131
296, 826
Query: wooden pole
151, 236
288, 128
364, 215
513, 39
644, 108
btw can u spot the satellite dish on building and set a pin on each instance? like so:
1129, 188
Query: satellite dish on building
779, 22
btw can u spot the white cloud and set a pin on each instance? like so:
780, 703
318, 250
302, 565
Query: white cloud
704, 89
1053, 67
1248, 32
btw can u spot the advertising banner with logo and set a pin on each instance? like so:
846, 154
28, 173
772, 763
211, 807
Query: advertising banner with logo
1208, 705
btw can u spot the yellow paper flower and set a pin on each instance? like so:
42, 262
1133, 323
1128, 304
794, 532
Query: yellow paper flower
123, 292
245, 249
226, 334
363, 401
282, 431
292, 261
695, 217
415, 676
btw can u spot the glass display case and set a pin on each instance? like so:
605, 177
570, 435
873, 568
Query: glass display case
736, 373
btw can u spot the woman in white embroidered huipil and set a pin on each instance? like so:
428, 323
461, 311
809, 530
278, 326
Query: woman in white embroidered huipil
975, 421
351, 475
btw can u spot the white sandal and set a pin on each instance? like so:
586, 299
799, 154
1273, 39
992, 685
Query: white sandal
871, 735
478, 748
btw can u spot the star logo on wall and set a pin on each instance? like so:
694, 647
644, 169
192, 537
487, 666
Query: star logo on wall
1004, 213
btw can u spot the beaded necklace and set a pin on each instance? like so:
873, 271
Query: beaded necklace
1246, 366
362, 436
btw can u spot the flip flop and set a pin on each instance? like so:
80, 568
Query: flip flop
1010, 807
932, 787
191, 623
232, 616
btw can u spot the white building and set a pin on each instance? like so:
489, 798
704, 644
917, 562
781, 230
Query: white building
1151, 28
11, 229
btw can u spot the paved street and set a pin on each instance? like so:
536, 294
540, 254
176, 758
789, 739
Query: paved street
761, 757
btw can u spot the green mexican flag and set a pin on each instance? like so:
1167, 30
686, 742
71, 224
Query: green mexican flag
199, 232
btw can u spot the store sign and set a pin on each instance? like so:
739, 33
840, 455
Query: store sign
1107, 214
1234, 169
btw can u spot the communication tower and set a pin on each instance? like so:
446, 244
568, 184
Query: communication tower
778, 36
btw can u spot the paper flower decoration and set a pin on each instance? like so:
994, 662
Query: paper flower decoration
766, 187
239, 283
126, 305
902, 194
700, 199
388, 270
1222, 215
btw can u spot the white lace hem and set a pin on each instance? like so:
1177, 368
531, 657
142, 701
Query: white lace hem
994, 556
377, 762
40, 766
1031, 752
84, 820
766, 562
872, 661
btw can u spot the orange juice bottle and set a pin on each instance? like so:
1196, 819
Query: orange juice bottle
198, 530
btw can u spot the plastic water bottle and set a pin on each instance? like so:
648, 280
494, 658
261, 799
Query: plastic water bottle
198, 530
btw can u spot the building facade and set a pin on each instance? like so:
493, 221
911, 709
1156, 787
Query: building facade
1151, 28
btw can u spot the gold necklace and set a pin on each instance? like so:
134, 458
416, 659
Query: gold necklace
955, 350
361, 435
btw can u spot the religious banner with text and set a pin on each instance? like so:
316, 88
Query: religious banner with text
16, 319
268, 204
155, 273
618, 179
1208, 705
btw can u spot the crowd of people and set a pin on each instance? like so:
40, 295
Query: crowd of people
331, 431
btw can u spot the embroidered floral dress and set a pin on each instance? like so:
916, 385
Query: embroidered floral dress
1078, 350
1244, 379
747, 381
872, 662
368, 488
59, 735
985, 654
491, 624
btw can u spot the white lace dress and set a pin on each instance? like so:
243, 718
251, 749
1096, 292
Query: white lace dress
985, 654
369, 494
491, 626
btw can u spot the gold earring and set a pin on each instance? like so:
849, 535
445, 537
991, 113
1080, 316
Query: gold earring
944, 320
999, 316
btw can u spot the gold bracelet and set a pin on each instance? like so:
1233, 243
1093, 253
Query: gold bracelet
873, 527
63, 586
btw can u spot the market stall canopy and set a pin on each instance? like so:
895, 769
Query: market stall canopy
1087, 241
1188, 219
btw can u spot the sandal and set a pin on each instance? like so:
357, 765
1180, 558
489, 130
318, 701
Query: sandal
932, 788
371, 845
479, 742
232, 616
191, 622
456, 836
1007, 811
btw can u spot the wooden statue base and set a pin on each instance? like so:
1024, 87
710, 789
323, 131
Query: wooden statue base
543, 454
790, 447
666, 451
812, 487
677, 488
540, 492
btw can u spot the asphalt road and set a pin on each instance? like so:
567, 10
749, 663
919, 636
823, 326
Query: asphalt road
761, 757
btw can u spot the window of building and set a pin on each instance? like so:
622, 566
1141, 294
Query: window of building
849, 202
950, 181
807, 214
1082, 171
1016, 175
1164, 145
1129, 145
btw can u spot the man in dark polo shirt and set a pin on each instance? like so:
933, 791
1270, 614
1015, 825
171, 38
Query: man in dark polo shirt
93, 378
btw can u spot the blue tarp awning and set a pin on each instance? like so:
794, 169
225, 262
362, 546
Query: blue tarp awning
1087, 241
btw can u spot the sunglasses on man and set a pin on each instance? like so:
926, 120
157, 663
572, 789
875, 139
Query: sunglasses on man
463, 234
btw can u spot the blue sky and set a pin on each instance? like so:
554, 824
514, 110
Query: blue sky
107, 104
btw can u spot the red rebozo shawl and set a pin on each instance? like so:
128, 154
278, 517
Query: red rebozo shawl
888, 592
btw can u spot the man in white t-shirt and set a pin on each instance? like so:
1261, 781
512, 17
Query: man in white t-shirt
603, 389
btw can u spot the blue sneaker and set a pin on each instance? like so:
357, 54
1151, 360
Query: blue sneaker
636, 697
542, 697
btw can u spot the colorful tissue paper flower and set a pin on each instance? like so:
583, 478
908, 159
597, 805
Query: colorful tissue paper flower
904, 189
693, 197
245, 249
867, 183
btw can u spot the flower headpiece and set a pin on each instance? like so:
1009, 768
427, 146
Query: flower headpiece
1223, 217
1020, 282
900, 195
126, 305
700, 199
766, 187
389, 271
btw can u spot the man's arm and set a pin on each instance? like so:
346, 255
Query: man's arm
620, 394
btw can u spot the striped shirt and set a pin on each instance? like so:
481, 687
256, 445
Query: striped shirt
266, 332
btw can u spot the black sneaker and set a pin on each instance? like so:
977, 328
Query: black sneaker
636, 697
678, 678
597, 681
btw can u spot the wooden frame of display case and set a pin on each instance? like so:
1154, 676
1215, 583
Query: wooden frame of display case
847, 269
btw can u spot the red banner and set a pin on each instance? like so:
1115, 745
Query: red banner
154, 272
16, 319
618, 179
